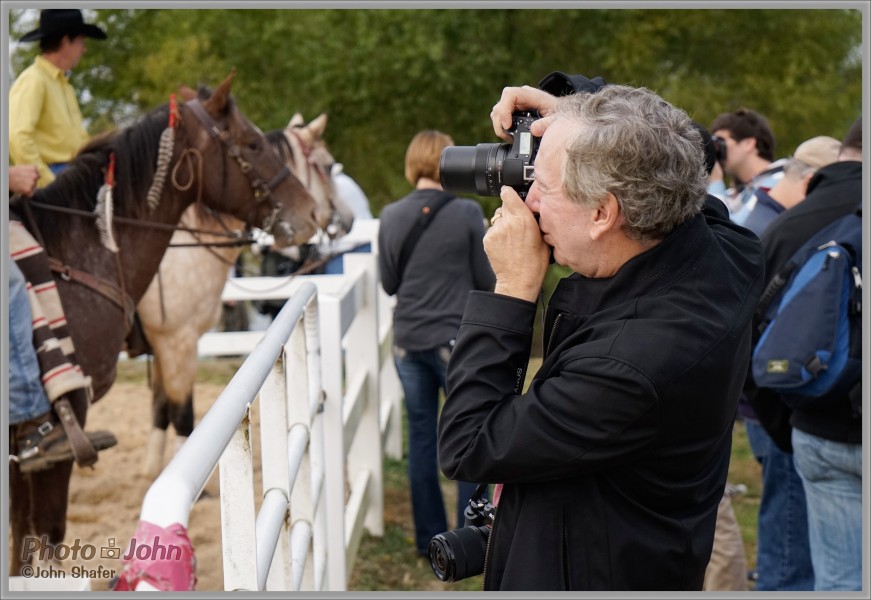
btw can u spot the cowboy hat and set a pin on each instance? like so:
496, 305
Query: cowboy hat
63, 20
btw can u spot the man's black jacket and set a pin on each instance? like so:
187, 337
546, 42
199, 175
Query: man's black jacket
615, 459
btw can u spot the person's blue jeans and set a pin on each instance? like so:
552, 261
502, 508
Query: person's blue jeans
27, 398
422, 374
783, 559
56, 168
832, 476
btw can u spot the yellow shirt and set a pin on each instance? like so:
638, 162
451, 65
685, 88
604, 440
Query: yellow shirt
45, 122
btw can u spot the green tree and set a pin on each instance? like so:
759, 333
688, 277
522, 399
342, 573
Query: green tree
384, 74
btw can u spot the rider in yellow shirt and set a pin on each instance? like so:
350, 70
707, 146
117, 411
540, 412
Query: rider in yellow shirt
45, 122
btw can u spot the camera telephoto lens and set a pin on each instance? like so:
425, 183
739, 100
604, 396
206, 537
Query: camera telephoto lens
473, 169
457, 554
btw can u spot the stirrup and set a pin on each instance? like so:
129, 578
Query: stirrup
47, 444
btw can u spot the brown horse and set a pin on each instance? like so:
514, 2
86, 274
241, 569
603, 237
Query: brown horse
220, 161
184, 300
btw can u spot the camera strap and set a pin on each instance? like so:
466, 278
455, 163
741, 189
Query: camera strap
427, 212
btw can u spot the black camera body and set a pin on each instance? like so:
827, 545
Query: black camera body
719, 148
460, 553
485, 168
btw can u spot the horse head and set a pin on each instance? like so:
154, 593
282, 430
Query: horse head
254, 185
312, 157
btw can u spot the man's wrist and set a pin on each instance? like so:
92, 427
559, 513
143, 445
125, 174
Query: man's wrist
517, 290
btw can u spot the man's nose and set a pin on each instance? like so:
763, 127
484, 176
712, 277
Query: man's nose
532, 199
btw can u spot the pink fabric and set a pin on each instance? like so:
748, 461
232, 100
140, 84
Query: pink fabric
163, 558
497, 491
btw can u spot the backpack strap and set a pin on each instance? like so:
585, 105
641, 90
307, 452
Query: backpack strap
775, 284
427, 213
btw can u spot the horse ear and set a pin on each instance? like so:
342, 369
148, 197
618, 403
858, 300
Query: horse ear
318, 125
216, 105
187, 94
296, 120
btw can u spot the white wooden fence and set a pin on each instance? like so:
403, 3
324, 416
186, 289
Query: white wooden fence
330, 408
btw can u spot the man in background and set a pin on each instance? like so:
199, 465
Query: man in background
749, 152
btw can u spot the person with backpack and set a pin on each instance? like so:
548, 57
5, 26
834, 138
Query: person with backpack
783, 561
823, 430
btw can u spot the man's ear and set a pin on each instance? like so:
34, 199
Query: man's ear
607, 217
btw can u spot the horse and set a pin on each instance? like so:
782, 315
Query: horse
184, 300
217, 159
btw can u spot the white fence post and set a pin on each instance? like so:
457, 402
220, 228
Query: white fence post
366, 450
334, 439
274, 427
237, 509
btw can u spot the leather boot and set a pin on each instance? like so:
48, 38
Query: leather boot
42, 443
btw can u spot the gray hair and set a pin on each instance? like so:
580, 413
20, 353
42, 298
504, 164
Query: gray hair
640, 148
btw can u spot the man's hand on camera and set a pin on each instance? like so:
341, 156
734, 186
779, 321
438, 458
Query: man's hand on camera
519, 98
516, 250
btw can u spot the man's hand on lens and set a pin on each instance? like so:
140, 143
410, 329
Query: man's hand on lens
517, 99
516, 250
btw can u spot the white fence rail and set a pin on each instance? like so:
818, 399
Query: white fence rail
330, 408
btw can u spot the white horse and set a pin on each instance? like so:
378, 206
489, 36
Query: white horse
184, 299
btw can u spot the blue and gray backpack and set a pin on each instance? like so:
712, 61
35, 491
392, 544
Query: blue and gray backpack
810, 320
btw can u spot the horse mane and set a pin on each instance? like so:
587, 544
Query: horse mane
280, 144
135, 148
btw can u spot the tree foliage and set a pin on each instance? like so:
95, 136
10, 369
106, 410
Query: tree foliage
384, 74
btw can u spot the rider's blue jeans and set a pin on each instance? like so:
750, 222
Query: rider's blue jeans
832, 476
27, 397
422, 374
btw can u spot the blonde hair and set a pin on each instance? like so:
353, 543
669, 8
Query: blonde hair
424, 154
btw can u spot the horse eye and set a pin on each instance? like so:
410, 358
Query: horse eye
254, 146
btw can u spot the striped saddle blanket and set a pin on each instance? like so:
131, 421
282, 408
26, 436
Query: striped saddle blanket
54, 347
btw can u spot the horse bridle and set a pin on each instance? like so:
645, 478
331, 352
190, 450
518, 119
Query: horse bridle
320, 170
262, 189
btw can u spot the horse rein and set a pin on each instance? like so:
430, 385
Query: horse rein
262, 189
240, 239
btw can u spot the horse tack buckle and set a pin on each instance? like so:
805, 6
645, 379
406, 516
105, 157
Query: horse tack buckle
269, 221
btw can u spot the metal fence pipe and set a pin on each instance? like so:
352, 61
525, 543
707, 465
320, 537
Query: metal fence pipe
195, 461
272, 514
